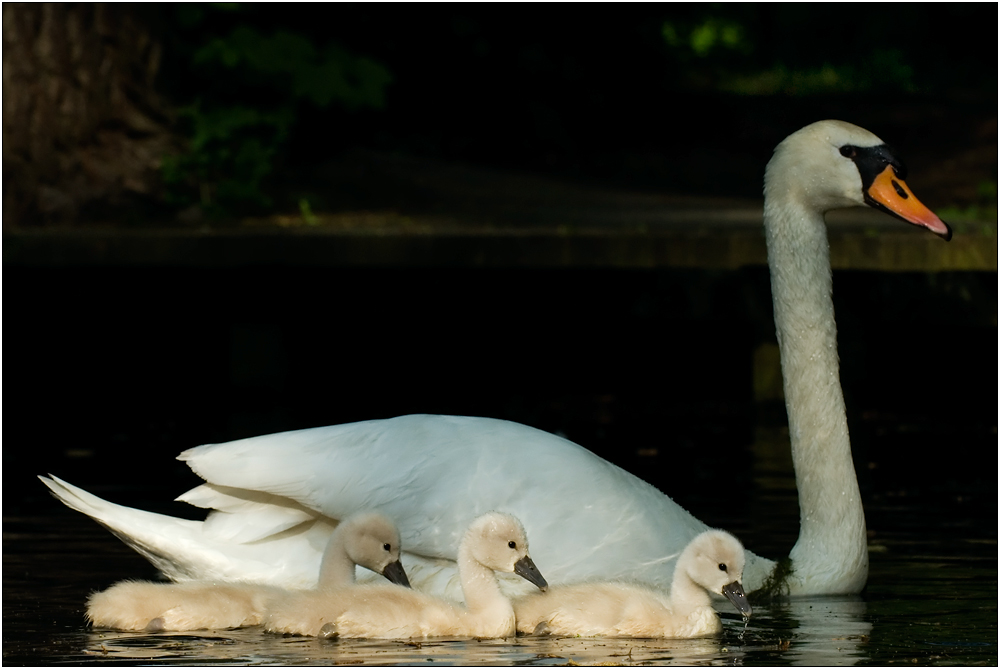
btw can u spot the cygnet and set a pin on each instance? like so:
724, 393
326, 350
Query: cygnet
711, 562
494, 542
367, 539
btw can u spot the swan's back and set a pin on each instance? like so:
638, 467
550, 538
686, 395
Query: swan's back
413, 468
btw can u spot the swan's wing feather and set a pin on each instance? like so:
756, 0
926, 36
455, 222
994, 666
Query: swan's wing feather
245, 516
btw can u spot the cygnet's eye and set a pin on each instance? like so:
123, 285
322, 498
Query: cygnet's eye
848, 151
512, 544
387, 547
722, 566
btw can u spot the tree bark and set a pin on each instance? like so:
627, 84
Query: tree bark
83, 128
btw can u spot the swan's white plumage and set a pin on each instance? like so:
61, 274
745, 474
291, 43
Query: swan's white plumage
623, 609
591, 520
367, 539
493, 542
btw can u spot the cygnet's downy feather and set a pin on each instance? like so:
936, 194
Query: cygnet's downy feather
493, 542
712, 562
366, 539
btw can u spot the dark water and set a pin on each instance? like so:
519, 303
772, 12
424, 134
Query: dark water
931, 599
655, 371
927, 602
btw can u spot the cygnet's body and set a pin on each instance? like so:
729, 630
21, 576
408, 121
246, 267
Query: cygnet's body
367, 539
157, 607
712, 562
494, 542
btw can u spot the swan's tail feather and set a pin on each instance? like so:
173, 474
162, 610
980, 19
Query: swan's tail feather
154, 536
115, 517
185, 550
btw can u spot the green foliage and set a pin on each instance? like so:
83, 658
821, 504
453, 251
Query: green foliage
886, 70
230, 153
258, 83
321, 76
307, 213
720, 49
707, 36
979, 217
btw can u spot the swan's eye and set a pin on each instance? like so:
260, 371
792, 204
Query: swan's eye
387, 547
848, 151
512, 544
722, 566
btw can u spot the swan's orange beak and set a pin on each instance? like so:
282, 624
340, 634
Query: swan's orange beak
891, 194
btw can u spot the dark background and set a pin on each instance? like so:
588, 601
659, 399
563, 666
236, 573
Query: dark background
111, 371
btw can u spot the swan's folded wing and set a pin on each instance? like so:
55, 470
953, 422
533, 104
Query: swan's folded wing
433, 474
329, 469
244, 516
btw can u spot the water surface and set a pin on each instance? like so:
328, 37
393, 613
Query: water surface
931, 599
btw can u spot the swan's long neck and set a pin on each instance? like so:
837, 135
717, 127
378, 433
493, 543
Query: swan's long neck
831, 554
337, 568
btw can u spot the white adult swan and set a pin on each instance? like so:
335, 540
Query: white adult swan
494, 542
274, 495
369, 540
711, 563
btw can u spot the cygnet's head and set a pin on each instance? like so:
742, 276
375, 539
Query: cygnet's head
372, 541
498, 541
714, 560
833, 164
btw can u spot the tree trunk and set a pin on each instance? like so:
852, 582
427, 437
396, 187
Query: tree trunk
83, 129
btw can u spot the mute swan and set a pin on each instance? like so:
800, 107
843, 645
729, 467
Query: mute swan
494, 542
592, 520
366, 539
712, 562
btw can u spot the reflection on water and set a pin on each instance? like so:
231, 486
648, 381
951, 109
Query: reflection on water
251, 646
803, 632
816, 630
819, 631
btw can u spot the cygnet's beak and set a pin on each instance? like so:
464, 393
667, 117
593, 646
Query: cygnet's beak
734, 593
889, 193
526, 569
395, 573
